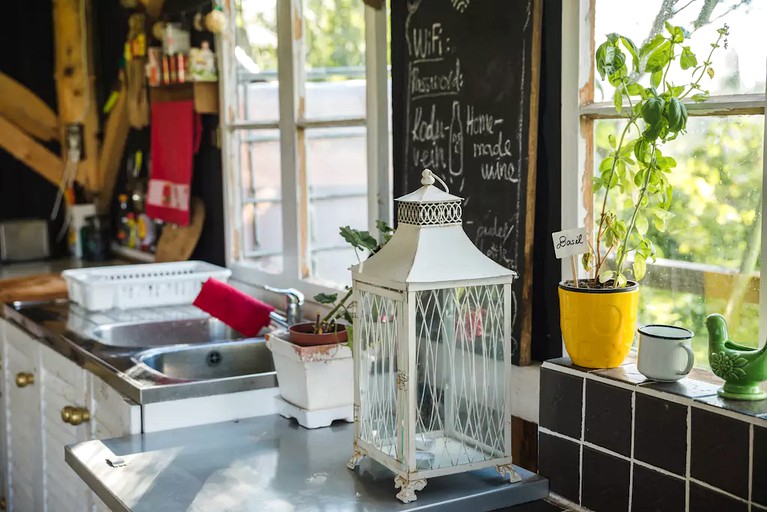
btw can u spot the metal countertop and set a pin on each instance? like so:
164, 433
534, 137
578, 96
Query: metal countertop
63, 327
270, 464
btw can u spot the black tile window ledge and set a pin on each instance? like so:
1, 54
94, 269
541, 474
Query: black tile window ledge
612, 440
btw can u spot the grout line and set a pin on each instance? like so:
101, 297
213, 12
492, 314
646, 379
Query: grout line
663, 395
750, 464
722, 491
631, 450
688, 459
756, 506
657, 469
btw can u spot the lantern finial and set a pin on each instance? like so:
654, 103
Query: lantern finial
428, 177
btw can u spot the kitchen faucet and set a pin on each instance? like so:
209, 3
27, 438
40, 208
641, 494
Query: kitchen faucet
294, 303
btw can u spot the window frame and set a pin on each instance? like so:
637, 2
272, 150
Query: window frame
296, 249
579, 111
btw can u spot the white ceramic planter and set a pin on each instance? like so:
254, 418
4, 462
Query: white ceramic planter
313, 378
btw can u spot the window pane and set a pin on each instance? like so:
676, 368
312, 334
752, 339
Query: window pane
255, 56
740, 68
708, 256
337, 169
261, 196
335, 58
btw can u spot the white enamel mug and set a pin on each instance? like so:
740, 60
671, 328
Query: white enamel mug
665, 353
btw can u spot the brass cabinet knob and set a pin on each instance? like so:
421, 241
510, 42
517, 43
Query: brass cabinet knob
66, 413
24, 379
75, 415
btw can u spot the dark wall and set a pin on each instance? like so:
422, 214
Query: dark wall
27, 56
547, 338
208, 185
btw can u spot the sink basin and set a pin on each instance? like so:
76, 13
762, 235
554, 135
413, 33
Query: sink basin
210, 361
170, 332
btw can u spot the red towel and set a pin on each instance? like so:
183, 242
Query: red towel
176, 133
238, 310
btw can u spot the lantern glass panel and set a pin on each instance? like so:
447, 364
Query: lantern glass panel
461, 375
376, 341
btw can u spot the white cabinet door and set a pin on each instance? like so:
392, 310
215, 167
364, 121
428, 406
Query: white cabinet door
35, 432
113, 415
63, 384
22, 420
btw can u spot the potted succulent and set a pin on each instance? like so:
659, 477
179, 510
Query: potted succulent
313, 360
598, 314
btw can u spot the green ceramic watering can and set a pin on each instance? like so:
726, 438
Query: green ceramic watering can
742, 368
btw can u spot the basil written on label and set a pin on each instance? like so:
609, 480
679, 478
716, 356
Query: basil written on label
570, 242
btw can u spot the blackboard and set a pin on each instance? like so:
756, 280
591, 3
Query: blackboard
465, 96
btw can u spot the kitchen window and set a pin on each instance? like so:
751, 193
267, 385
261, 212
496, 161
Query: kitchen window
305, 137
710, 254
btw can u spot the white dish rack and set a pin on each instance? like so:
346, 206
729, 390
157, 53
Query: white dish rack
140, 286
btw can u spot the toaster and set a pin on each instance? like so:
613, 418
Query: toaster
24, 240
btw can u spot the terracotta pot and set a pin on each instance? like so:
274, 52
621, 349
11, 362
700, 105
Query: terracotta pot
598, 324
303, 335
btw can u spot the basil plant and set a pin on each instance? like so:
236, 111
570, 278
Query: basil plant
636, 165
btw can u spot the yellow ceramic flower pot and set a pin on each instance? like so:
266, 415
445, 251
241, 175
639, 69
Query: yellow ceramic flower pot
598, 325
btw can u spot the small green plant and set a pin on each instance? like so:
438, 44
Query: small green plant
636, 165
362, 242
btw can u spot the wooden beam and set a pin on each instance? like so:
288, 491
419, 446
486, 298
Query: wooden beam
115, 137
75, 81
23, 108
30, 152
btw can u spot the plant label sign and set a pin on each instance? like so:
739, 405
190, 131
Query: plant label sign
570, 242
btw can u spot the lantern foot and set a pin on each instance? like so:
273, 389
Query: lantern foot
357, 456
508, 469
407, 494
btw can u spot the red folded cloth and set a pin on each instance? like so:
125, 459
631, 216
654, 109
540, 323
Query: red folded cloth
236, 309
176, 134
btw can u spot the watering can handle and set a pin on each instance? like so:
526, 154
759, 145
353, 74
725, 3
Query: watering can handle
690, 359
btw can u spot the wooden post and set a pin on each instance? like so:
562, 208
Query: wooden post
75, 82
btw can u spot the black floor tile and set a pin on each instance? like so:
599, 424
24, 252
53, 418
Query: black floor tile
561, 400
605, 482
759, 486
656, 492
627, 373
686, 387
756, 408
660, 433
559, 461
719, 451
535, 506
703, 499
608, 417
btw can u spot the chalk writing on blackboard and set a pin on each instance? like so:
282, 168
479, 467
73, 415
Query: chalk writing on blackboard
462, 85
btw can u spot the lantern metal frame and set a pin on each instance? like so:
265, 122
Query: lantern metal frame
395, 292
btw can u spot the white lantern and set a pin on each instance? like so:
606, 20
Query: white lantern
432, 349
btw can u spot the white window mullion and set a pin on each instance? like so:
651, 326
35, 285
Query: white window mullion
576, 28
230, 154
289, 98
377, 98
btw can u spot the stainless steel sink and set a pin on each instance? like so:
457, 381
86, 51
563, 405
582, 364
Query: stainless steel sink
170, 332
209, 361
